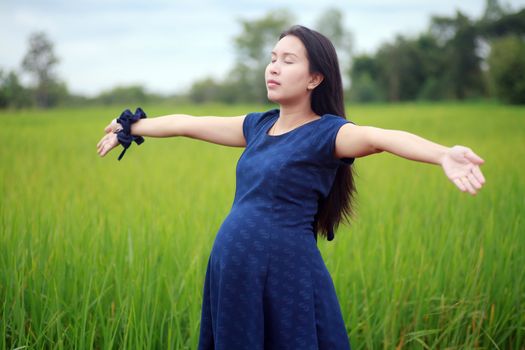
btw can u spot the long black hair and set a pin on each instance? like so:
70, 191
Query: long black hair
327, 98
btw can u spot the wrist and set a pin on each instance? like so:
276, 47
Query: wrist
442, 154
124, 136
115, 126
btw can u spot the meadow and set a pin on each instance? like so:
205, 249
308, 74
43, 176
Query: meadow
101, 254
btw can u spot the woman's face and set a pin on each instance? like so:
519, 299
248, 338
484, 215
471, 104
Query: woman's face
288, 77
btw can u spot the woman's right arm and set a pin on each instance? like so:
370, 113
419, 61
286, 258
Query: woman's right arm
225, 131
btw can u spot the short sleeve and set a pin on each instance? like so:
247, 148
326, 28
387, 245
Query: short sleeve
334, 125
253, 124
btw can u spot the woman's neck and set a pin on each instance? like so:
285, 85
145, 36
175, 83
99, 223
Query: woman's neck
291, 116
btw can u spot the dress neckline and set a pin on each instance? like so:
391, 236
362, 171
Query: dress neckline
290, 131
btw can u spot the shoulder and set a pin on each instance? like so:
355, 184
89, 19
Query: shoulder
255, 118
337, 120
324, 139
336, 125
354, 140
340, 128
255, 121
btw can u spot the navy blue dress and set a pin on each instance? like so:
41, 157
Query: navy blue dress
266, 284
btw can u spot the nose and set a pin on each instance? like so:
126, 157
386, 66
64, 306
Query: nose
273, 68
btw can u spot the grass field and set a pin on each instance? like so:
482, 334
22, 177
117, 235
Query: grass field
96, 253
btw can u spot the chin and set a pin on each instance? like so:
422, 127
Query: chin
271, 97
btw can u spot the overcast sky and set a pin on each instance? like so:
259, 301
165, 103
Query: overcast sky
166, 45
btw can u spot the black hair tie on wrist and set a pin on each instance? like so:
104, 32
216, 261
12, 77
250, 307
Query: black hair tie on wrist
124, 135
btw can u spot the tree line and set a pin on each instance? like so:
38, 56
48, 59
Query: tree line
46, 90
455, 58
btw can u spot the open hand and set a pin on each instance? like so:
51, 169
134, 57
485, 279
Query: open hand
113, 126
110, 140
461, 166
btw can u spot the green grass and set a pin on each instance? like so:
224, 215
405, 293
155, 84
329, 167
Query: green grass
96, 253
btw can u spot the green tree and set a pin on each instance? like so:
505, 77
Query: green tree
40, 62
407, 69
506, 24
493, 11
433, 64
507, 69
365, 89
12, 93
401, 69
458, 37
364, 75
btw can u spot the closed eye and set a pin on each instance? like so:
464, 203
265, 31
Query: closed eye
273, 60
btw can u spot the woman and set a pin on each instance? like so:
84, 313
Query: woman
266, 284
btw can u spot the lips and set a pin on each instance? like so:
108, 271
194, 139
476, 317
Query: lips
272, 82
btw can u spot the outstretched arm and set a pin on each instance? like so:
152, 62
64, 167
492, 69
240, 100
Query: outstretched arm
460, 164
220, 130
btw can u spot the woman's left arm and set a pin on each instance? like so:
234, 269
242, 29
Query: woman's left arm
460, 164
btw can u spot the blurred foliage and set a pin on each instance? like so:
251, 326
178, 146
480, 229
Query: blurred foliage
40, 62
450, 61
507, 69
456, 58
12, 93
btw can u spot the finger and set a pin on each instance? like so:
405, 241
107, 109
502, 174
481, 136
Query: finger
105, 149
102, 140
110, 144
99, 149
477, 173
473, 181
105, 140
467, 185
473, 157
459, 184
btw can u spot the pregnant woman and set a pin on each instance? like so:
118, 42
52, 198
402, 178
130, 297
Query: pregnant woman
266, 284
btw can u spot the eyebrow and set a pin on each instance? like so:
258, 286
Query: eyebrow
285, 54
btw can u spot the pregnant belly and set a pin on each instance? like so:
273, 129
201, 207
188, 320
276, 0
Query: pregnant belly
247, 237
241, 236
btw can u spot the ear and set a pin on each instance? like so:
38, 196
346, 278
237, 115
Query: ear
315, 80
